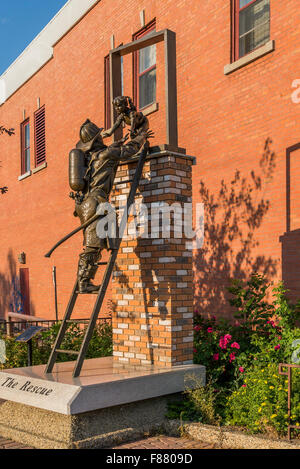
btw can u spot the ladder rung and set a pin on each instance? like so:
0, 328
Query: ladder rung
102, 263
95, 292
69, 352
69, 321
123, 182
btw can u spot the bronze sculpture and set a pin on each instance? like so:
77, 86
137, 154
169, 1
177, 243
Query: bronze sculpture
128, 114
93, 167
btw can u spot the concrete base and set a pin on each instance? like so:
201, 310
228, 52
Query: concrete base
108, 404
98, 429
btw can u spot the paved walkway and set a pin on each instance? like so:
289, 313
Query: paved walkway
165, 442
157, 442
9, 444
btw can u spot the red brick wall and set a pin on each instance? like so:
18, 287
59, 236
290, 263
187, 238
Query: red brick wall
241, 122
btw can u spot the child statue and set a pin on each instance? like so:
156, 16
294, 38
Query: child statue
127, 114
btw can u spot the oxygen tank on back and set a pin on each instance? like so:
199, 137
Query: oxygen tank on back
77, 170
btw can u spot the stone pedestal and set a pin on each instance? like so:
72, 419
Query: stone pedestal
153, 286
108, 404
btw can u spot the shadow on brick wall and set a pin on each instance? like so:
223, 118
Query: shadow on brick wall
234, 214
11, 298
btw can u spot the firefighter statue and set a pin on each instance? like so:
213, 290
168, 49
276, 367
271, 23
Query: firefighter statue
92, 170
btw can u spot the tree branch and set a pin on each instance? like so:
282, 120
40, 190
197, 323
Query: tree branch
8, 131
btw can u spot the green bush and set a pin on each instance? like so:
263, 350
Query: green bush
100, 345
16, 354
235, 353
260, 404
198, 404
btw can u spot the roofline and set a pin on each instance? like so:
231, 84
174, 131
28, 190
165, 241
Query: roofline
40, 50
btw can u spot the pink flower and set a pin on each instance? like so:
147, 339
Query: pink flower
197, 328
272, 323
216, 357
232, 357
241, 369
244, 385
195, 350
224, 341
210, 330
235, 345
277, 347
214, 318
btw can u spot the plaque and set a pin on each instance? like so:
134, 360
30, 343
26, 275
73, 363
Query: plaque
31, 332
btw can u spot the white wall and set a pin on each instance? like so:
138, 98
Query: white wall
40, 50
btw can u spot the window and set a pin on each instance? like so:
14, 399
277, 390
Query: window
25, 147
39, 137
251, 26
145, 71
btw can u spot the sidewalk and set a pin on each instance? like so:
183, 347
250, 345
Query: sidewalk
9, 444
165, 442
157, 442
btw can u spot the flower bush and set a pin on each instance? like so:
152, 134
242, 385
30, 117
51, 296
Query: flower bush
242, 357
260, 404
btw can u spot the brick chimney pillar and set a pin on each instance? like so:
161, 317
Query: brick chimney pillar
152, 290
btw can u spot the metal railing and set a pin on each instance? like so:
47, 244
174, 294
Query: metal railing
288, 373
15, 324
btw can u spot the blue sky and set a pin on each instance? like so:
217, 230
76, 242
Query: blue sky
20, 22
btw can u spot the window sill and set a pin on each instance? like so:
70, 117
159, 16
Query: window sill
247, 59
150, 109
39, 168
24, 176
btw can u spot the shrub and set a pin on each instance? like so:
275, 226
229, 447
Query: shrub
205, 402
100, 345
198, 404
261, 337
260, 404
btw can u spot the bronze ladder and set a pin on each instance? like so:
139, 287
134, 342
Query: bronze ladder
103, 287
